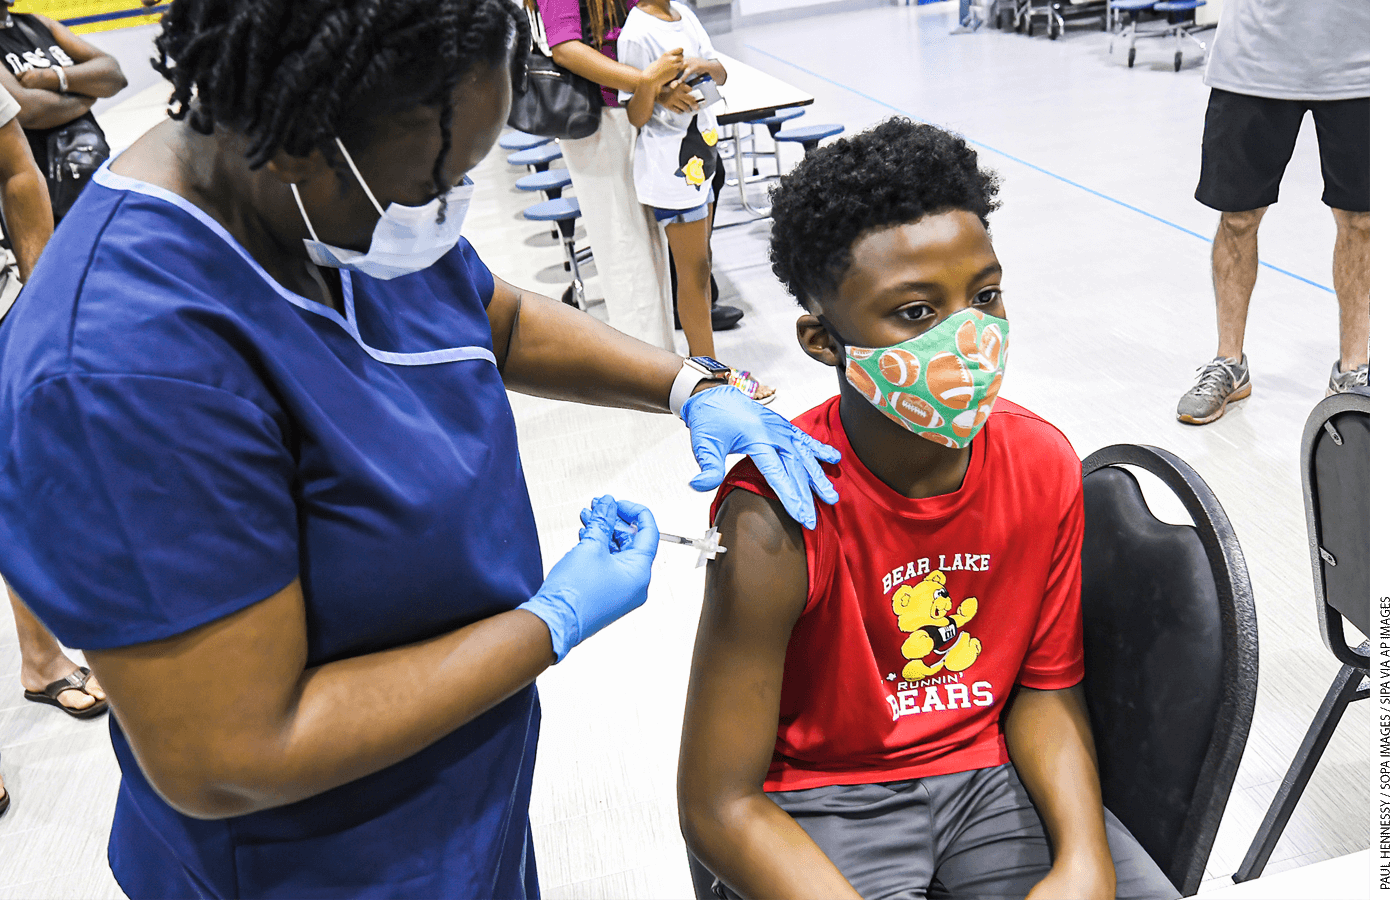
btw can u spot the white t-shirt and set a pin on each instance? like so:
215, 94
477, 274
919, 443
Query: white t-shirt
9, 107
676, 155
1293, 49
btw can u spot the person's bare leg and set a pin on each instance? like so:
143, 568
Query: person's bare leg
690, 245
1234, 259
1351, 276
43, 662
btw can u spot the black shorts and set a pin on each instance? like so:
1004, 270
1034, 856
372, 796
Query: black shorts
1249, 140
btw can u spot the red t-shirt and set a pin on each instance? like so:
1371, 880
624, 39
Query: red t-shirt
922, 615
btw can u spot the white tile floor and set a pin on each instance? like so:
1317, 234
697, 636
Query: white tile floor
1108, 278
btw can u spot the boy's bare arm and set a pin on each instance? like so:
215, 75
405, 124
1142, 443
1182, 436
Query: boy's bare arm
754, 594
1052, 747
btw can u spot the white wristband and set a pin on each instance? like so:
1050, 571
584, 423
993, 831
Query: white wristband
62, 79
686, 380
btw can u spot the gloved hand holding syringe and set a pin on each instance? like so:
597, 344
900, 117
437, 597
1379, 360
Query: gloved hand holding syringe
708, 544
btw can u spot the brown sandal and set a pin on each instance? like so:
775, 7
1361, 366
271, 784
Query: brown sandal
74, 682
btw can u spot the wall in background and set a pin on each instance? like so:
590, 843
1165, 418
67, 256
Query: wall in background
88, 16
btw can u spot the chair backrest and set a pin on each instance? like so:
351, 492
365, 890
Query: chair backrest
1171, 656
1336, 463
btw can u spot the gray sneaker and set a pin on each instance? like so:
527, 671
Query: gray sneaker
1218, 382
1353, 380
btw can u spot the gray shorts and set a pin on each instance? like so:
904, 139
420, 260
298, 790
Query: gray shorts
969, 834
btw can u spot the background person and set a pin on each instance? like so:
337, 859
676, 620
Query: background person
676, 161
46, 673
629, 247
55, 75
24, 197
1273, 61
298, 467
24, 203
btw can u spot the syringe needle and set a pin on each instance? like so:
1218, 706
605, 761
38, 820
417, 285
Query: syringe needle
690, 542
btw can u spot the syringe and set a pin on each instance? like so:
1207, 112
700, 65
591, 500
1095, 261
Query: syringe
708, 545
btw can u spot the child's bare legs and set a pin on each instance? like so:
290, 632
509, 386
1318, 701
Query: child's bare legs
690, 245
42, 661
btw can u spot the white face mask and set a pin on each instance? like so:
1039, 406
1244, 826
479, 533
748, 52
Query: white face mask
406, 239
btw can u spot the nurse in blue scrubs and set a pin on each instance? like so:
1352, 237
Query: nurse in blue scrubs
259, 463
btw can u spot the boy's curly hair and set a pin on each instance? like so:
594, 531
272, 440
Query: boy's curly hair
895, 173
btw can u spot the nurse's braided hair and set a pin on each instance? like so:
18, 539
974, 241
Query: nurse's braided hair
894, 174
293, 75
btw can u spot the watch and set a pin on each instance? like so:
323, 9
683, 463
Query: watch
694, 370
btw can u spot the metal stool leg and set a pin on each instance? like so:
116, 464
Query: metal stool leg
1346, 687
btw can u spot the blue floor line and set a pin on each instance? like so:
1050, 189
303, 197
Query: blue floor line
1029, 165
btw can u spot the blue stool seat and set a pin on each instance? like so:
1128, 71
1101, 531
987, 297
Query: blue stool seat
538, 157
781, 116
776, 121
808, 135
521, 140
548, 180
1132, 5
564, 209
1177, 5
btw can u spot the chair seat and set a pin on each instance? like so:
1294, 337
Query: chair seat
1177, 5
521, 140
781, 116
548, 180
808, 133
564, 209
536, 156
1132, 5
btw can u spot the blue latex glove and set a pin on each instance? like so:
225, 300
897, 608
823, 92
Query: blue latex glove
723, 421
602, 579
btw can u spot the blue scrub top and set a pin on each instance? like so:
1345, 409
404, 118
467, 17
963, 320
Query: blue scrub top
184, 437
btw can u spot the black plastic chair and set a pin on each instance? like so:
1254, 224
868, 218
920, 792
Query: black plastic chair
1171, 655
1171, 659
1336, 463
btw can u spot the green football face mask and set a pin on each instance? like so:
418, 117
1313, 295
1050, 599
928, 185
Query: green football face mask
941, 384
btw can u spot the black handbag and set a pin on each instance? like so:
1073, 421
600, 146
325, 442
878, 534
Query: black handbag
76, 151
551, 101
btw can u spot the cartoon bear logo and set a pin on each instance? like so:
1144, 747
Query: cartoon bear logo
936, 640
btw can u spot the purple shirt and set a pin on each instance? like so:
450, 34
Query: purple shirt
563, 21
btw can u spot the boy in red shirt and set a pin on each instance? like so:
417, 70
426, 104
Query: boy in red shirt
888, 705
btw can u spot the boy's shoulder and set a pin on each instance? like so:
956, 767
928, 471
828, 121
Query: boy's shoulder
816, 422
1021, 425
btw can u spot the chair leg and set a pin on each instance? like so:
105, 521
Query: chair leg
571, 265
1346, 687
566, 231
553, 194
